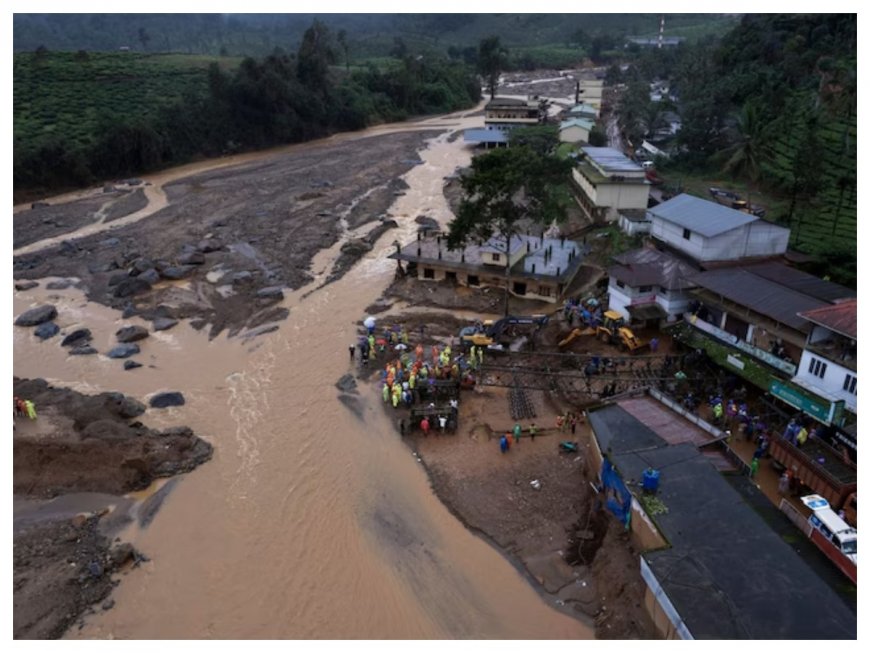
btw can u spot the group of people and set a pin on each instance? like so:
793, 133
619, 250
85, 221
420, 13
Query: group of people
588, 312
513, 436
23, 408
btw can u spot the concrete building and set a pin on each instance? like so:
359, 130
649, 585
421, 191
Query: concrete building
709, 232
829, 364
591, 92
605, 181
540, 268
647, 284
714, 567
634, 221
501, 115
752, 321
575, 130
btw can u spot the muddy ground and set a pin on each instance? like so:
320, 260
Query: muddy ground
227, 233
80, 443
575, 554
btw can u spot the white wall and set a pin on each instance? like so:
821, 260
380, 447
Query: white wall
623, 196
574, 134
675, 303
832, 384
632, 227
618, 299
766, 239
757, 238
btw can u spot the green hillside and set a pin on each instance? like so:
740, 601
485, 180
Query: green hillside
71, 97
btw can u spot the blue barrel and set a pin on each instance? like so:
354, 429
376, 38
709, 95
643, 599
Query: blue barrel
650, 480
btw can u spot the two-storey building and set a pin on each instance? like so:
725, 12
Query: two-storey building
535, 267
606, 181
829, 364
503, 114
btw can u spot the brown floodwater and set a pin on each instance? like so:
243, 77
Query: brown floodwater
309, 522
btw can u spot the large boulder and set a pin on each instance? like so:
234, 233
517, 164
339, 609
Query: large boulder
36, 316
192, 258
209, 245
166, 399
131, 286
131, 333
151, 275
141, 265
356, 246
25, 285
125, 407
175, 272
131, 365
46, 330
163, 323
60, 284
82, 350
77, 338
124, 351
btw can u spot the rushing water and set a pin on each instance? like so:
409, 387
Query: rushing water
309, 522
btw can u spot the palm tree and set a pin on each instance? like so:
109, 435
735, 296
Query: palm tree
747, 153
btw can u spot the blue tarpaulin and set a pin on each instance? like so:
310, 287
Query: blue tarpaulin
617, 496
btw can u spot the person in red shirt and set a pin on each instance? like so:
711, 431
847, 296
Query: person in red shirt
424, 426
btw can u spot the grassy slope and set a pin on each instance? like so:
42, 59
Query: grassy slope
59, 95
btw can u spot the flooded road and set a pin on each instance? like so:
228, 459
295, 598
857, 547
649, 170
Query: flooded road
309, 522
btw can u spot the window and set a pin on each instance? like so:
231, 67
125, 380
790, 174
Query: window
818, 368
663, 291
496, 257
687, 234
619, 284
645, 289
850, 384
544, 291
428, 273
473, 280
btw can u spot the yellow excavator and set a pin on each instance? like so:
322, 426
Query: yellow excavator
614, 331
576, 333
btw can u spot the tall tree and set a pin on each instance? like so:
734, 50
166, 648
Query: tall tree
506, 189
314, 57
746, 154
491, 60
341, 37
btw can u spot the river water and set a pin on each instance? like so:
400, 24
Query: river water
309, 522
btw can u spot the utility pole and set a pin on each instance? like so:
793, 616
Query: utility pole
661, 31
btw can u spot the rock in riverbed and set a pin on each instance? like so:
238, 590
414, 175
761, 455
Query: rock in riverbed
124, 351
131, 333
167, 399
36, 316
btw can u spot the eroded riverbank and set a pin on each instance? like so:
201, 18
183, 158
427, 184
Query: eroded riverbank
309, 522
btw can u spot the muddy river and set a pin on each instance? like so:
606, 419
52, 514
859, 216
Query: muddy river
309, 522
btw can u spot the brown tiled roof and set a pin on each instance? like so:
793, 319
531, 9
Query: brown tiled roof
842, 317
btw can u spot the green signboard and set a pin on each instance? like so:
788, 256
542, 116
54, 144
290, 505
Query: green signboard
795, 398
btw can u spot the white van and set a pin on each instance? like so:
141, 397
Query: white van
832, 527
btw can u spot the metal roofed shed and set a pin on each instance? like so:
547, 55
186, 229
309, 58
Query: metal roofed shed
481, 135
611, 160
583, 123
727, 574
803, 282
706, 218
842, 317
648, 266
761, 295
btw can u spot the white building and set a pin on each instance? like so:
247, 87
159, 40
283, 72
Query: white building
575, 130
708, 231
647, 284
591, 92
829, 364
606, 181
583, 111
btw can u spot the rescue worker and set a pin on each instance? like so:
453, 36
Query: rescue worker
518, 430
30, 408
